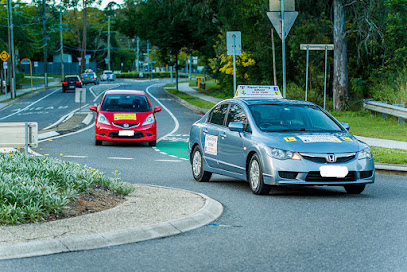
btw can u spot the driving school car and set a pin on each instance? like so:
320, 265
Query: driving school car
260, 137
125, 115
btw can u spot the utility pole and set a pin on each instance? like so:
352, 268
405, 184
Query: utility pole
108, 43
138, 54
148, 58
61, 40
44, 31
11, 49
283, 47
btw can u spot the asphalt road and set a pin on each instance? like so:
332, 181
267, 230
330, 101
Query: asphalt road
291, 229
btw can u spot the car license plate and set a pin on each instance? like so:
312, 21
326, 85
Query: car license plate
328, 171
125, 116
71, 87
126, 132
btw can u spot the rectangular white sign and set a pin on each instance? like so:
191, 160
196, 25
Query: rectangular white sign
246, 91
319, 139
211, 144
234, 43
80, 95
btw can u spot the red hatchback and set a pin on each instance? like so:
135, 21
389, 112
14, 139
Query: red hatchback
125, 115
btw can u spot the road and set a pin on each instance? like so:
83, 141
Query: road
291, 229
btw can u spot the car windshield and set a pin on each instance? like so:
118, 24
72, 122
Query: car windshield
89, 75
279, 118
125, 103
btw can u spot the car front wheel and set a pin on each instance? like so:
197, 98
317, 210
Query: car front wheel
255, 177
354, 189
198, 167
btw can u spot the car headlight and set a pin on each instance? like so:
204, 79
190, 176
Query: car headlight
281, 154
365, 154
102, 119
149, 120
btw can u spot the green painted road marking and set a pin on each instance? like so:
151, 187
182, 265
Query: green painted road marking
179, 149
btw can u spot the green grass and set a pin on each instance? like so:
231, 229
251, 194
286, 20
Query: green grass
388, 155
33, 187
364, 123
191, 99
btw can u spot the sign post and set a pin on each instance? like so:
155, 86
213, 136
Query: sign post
24, 61
324, 47
4, 56
234, 47
282, 19
80, 96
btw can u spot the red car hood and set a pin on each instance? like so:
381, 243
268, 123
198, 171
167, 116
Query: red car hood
126, 117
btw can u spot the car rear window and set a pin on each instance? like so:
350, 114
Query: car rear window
125, 103
71, 78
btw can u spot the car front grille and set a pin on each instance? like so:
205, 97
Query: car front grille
322, 158
316, 176
115, 134
126, 125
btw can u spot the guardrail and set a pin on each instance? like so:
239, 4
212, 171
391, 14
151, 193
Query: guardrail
22, 134
396, 110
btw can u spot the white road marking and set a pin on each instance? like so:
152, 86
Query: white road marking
119, 158
35, 102
73, 156
165, 108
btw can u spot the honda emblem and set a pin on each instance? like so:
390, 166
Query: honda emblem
331, 158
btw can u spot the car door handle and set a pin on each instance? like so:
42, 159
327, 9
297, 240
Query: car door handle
223, 136
205, 131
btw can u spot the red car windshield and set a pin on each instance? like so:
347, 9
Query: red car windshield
125, 103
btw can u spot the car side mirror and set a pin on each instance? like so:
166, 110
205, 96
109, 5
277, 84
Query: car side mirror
346, 126
93, 108
236, 126
157, 109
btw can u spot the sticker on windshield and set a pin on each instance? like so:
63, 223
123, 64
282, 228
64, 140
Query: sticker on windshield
319, 139
125, 116
211, 144
290, 139
347, 139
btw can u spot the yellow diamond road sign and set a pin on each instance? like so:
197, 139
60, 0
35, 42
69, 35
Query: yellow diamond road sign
4, 56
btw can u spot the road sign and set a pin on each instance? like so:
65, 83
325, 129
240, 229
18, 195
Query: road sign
106, 60
5, 66
234, 42
316, 46
275, 5
289, 19
35, 63
80, 95
25, 61
79, 59
4, 55
87, 56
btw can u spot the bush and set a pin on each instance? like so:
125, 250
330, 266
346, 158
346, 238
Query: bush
33, 187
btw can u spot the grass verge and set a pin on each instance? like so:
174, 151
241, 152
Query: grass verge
192, 99
388, 155
33, 187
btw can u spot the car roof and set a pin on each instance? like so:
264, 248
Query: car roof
72, 76
131, 92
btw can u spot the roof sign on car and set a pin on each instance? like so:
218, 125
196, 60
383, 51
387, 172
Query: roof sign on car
257, 91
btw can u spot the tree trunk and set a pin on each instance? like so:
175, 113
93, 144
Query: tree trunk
340, 73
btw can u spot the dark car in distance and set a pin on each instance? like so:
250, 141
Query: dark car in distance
71, 82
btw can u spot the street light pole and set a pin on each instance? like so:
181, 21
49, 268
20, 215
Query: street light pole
44, 30
11, 47
108, 43
61, 38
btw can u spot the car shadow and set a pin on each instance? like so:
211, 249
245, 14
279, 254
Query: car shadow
126, 144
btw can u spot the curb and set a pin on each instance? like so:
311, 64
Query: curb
391, 169
185, 103
211, 211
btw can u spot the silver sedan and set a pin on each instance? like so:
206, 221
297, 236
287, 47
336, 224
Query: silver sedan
278, 142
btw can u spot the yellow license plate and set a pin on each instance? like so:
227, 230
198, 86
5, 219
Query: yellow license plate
125, 116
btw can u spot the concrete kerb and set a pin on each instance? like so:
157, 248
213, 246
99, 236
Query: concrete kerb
210, 211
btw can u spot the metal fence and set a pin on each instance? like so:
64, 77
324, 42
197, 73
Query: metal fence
55, 68
385, 109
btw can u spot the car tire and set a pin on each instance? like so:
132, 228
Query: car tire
98, 142
198, 170
354, 189
63, 90
152, 143
255, 177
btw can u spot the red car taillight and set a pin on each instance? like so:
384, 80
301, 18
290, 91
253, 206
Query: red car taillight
82, 80
64, 82
78, 82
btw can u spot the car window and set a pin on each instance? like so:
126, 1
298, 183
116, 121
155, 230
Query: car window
218, 114
236, 114
292, 118
125, 103
71, 78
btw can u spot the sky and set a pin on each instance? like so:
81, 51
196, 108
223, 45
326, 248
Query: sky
105, 2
